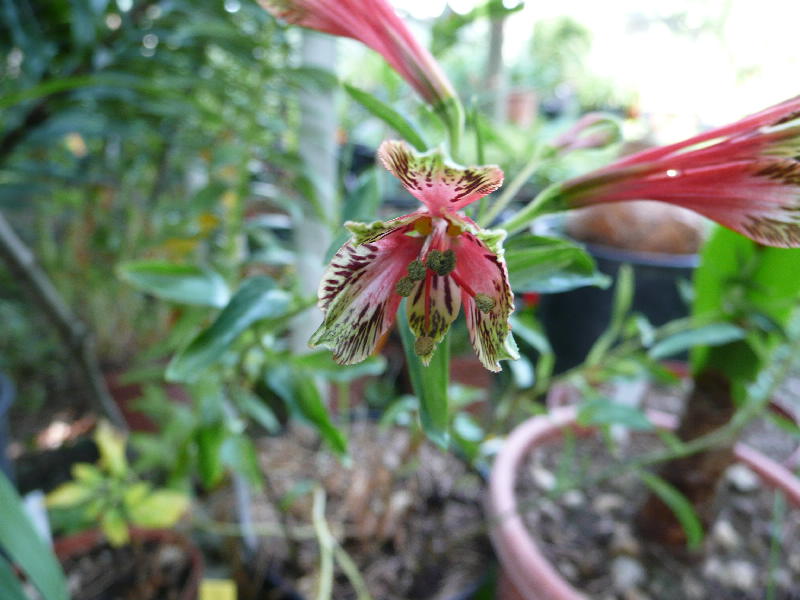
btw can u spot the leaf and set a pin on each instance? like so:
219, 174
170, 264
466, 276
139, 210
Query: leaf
321, 363
604, 411
714, 334
111, 444
239, 453
679, 505
115, 528
257, 410
186, 284
209, 440
623, 298
10, 586
256, 300
388, 115
300, 392
69, 494
25, 547
160, 509
86, 473
550, 265
430, 383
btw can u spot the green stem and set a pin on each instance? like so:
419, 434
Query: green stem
511, 190
532, 210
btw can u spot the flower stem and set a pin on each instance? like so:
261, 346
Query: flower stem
510, 191
533, 209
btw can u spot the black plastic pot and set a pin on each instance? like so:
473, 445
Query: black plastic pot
7, 394
574, 320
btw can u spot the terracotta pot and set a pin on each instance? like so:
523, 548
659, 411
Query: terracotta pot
527, 573
74, 546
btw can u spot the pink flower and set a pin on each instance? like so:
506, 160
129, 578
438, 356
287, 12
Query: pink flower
375, 24
745, 176
435, 257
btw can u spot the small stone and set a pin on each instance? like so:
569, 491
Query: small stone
742, 575
742, 478
694, 590
725, 535
634, 594
543, 478
568, 570
794, 562
627, 573
713, 568
606, 503
573, 498
623, 542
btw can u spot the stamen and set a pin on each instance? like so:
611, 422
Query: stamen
441, 263
454, 230
423, 345
416, 270
404, 287
484, 303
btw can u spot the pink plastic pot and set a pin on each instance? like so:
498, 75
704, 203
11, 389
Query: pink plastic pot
527, 574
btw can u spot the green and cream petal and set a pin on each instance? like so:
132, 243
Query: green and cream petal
441, 185
357, 293
431, 308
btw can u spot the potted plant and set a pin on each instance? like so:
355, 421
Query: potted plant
741, 344
135, 520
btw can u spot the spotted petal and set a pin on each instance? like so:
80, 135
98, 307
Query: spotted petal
357, 291
442, 186
431, 308
480, 265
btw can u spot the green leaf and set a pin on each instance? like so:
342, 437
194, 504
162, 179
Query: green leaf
623, 298
388, 115
115, 528
209, 439
239, 453
605, 411
22, 544
430, 383
679, 505
550, 265
69, 494
257, 299
186, 284
300, 392
322, 363
111, 444
257, 410
10, 587
160, 509
714, 334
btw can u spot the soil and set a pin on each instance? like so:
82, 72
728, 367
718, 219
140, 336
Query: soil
153, 571
409, 515
752, 550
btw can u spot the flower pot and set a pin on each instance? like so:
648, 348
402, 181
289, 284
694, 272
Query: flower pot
527, 573
6, 400
78, 546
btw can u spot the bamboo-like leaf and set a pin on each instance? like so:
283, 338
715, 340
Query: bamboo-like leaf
389, 116
679, 505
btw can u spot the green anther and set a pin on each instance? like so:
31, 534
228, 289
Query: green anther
484, 303
416, 270
442, 263
423, 345
404, 286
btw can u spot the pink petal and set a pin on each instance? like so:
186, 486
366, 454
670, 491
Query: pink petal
442, 186
357, 291
483, 271
431, 308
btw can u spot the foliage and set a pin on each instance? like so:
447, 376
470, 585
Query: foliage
111, 494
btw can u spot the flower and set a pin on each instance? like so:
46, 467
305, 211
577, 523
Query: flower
745, 176
436, 258
375, 24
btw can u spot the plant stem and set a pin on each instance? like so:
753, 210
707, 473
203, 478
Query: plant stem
73, 332
511, 190
325, 589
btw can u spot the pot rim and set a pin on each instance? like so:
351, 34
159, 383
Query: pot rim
529, 570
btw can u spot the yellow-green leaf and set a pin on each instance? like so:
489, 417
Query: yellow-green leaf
111, 444
86, 473
160, 509
115, 528
68, 494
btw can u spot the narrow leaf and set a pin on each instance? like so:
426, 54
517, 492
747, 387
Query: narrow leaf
679, 505
604, 411
10, 587
715, 334
388, 115
257, 300
430, 383
187, 284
